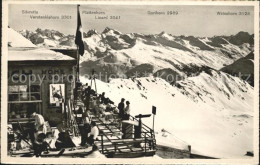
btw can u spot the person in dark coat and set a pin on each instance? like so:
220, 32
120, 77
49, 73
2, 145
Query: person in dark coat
80, 110
40, 145
64, 141
103, 97
121, 107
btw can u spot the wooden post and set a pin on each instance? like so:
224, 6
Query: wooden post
145, 142
153, 122
189, 148
115, 147
95, 84
102, 145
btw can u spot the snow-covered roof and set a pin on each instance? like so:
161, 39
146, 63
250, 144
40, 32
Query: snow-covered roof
37, 54
22, 49
17, 40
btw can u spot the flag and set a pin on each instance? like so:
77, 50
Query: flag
79, 36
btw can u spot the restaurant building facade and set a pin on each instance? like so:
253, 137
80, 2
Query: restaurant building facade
39, 80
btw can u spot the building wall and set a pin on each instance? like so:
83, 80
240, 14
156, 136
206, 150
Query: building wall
44, 73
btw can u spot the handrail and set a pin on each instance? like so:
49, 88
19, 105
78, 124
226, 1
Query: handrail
133, 118
116, 143
148, 130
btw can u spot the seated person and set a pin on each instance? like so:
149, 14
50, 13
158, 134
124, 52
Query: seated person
102, 108
80, 110
40, 145
109, 107
64, 141
93, 135
50, 140
62, 126
91, 102
102, 96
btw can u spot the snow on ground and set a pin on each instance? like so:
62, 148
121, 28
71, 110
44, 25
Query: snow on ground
48, 43
223, 128
15, 39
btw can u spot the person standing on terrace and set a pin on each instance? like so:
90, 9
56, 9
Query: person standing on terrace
121, 107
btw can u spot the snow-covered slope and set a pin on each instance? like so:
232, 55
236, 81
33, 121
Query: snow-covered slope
15, 39
213, 112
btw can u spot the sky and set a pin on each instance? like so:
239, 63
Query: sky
191, 20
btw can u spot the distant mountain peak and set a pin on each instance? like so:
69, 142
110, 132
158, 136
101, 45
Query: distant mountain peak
162, 33
242, 33
90, 33
108, 30
165, 35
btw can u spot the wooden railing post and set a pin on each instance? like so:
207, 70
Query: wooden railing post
102, 143
189, 148
145, 142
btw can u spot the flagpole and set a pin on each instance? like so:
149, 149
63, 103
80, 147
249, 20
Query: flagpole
79, 41
77, 50
78, 63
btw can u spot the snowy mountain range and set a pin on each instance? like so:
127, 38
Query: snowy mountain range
205, 104
114, 53
49, 38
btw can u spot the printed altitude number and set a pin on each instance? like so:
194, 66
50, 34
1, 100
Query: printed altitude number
172, 12
114, 17
244, 13
65, 17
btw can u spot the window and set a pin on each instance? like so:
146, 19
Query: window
23, 100
18, 93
